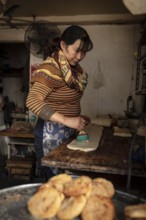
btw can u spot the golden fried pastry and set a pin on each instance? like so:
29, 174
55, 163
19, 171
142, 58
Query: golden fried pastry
71, 207
78, 186
65, 198
98, 207
44, 185
102, 187
135, 212
57, 182
45, 203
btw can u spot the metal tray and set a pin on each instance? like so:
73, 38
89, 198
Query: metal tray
13, 202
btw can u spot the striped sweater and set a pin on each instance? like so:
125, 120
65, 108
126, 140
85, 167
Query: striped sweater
51, 94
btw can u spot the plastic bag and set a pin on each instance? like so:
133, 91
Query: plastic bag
98, 77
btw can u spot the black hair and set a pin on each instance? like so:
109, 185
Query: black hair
51, 47
75, 32
69, 36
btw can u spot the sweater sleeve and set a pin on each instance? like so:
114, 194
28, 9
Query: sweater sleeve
36, 101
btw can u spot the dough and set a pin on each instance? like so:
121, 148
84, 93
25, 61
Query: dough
94, 132
104, 121
122, 132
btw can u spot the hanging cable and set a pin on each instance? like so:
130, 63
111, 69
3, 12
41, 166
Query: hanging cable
130, 153
133, 61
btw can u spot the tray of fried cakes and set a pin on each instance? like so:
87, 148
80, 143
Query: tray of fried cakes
64, 197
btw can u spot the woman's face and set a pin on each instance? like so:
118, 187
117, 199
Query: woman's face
72, 52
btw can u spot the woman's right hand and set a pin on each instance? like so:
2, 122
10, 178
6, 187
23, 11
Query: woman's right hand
77, 123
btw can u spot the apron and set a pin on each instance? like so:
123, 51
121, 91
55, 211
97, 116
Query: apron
48, 136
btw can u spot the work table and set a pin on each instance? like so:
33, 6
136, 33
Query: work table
112, 156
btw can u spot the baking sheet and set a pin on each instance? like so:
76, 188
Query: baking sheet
13, 202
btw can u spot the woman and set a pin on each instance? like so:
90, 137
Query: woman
57, 88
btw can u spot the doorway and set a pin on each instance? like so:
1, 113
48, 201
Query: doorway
14, 75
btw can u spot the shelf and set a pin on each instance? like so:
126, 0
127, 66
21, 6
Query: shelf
16, 134
21, 167
141, 92
19, 115
21, 143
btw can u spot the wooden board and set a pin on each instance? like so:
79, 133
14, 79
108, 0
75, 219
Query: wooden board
20, 167
12, 133
20, 171
112, 156
21, 163
94, 133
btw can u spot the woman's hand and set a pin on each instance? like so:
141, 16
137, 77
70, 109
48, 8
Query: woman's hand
77, 123
87, 119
